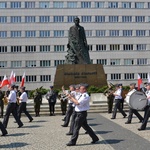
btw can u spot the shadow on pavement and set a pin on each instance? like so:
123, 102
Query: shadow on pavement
17, 134
103, 132
94, 124
90, 118
13, 145
31, 126
40, 121
113, 141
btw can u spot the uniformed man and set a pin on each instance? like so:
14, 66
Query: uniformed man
122, 101
11, 108
147, 109
4, 131
22, 107
1, 104
133, 111
118, 99
82, 105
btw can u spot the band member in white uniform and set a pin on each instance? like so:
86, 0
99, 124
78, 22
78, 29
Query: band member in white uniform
82, 105
22, 107
147, 109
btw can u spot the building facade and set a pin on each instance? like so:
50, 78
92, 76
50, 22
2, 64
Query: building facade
34, 35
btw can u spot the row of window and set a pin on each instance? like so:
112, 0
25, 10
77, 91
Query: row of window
61, 48
60, 19
73, 4
62, 33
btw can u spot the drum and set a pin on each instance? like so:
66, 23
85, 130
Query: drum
136, 100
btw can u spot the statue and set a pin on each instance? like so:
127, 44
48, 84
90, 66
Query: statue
78, 52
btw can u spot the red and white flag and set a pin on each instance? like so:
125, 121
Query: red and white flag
22, 81
12, 78
4, 82
139, 82
148, 77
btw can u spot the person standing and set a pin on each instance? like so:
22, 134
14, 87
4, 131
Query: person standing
118, 99
51, 97
1, 103
82, 105
11, 108
22, 107
133, 111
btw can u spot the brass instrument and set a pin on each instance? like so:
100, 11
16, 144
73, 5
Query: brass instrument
5, 100
18, 101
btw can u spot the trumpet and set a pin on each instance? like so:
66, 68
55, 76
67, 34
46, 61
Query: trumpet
18, 101
5, 100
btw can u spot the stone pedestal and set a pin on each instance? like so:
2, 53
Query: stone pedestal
92, 74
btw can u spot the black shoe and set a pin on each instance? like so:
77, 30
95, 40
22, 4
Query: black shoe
113, 118
4, 134
70, 144
86, 132
64, 125
125, 116
128, 122
69, 133
94, 141
31, 120
20, 126
141, 129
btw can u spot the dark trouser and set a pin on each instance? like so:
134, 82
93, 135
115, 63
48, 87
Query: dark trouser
51, 107
133, 111
37, 108
63, 107
81, 121
122, 103
110, 104
72, 121
4, 131
68, 114
117, 106
1, 108
11, 108
146, 117
22, 108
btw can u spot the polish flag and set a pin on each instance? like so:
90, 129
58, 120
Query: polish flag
148, 77
11, 79
14, 77
22, 81
139, 82
4, 82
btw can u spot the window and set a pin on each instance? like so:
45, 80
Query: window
58, 33
31, 63
15, 5
30, 48
29, 19
114, 61
86, 18
141, 46
127, 47
113, 18
72, 4
44, 19
99, 4
58, 18
44, 34
3, 49
127, 32
3, 19
58, 62
148, 4
44, 48
29, 5
102, 61
128, 61
45, 63
101, 47
114, 33
3, 4
15, 34
114, 47
139, 18
129, 76
44, 4
116, 76
88, 33
71, 18
15, 19
3, 64
126, 18
16, 64
142, 61
126, 4
143, 75
16, 49
59, 48
140, 32
31, 78
112, 4
58, 4
90, 47
148, 18
3, 34
44, 78
18, 78
99, 18
139, 5
100, 33
30, 34
85, 4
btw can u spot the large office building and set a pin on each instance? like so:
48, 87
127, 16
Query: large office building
34, 35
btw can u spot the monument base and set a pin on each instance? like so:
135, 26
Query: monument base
92, 74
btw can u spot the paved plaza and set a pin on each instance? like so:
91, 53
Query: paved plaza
46, 133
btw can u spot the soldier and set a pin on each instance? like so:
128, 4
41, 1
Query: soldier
1, 103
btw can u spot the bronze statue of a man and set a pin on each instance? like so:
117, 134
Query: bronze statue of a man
78, 52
